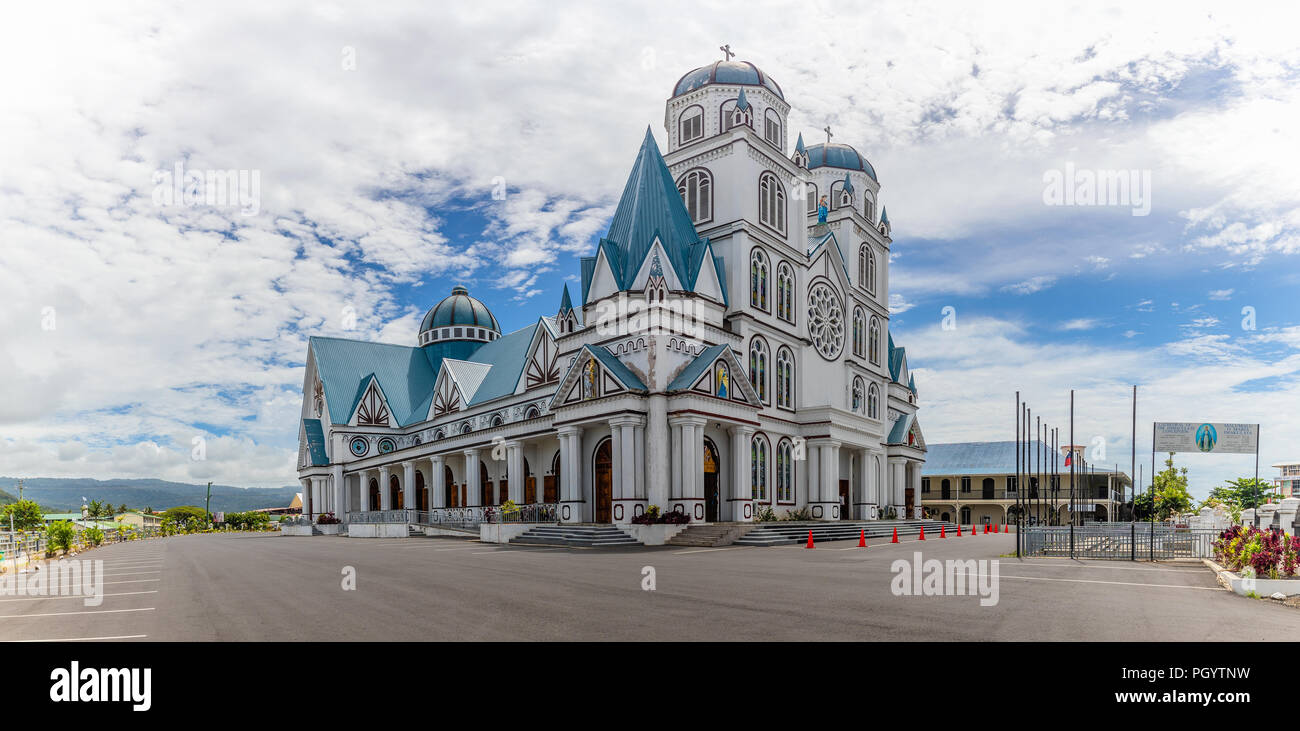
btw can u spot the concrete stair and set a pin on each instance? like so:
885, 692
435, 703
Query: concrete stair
711, 534
781, 533
576, 535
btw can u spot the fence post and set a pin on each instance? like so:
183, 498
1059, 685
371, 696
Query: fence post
1132, 542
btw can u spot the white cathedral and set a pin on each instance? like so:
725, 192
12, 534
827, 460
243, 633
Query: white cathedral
778, 388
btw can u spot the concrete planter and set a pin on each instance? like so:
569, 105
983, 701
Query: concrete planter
295, 530
378, 530
1262, 587
653, 535
329, 529
504, 532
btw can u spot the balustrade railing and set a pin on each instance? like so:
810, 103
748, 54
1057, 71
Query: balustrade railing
464, 517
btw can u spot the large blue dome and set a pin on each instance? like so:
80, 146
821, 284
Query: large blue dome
838, 156
463, 317
743, 73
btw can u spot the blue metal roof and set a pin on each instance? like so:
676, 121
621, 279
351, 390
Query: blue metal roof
315, 442
566, 304
616, 368
726, 72
650, 208
345, 367
839, 156
696, 368
976, 458
507, 356
898, 434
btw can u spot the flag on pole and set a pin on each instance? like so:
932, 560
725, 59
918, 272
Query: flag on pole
1069, 457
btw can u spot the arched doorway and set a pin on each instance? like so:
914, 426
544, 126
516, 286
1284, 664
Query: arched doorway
394, 492
712, 498
945, 489
373, 504
944, 517
530, 484
421, 492
965, 516
551, 481
484, 485
602, 482
451, 493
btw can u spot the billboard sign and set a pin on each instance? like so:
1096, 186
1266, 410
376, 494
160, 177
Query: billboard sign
1206, 437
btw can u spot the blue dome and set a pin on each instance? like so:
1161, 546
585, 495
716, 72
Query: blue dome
838, 156
460, 310
743, 73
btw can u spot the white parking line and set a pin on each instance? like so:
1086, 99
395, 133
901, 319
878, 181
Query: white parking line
43, 598
64, 614
519, 550
706, 550
131, 581
84, 639
1033, 563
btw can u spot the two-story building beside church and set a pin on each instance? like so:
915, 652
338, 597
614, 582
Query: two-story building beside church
728, 352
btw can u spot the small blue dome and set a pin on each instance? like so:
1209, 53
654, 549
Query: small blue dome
459, 310
838, 156
743, 73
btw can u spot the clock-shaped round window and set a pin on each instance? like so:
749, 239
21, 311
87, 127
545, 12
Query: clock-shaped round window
359, 446
386, 445
825, 320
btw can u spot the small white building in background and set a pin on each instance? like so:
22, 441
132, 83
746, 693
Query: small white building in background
780, 388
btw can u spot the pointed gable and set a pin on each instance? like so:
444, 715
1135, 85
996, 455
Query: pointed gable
344, 367
609, 376
650, 209
701, 376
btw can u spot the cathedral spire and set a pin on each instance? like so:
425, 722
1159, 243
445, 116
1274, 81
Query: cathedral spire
566, 305
798, 146
741, 102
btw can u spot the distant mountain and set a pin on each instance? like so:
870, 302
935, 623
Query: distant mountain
65, 494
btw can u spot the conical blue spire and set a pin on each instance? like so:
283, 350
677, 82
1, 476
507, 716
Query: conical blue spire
565, 303
884, 214
798, 146
848, 184
651, 207
741, 102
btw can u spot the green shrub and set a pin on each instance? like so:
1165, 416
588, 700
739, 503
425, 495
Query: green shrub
94, 536
60, 535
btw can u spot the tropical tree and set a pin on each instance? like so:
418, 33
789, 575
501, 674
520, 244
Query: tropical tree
27, 515
1170, 487
60, 534
1248, 492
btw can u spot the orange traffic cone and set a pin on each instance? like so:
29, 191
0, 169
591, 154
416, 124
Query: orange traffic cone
862, 539
972, 530
995, 527
959, 530
810, 540
943, 532
1006, 528
986, 527
922, 538
895, 535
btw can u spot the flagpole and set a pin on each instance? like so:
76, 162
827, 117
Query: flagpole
1017, 443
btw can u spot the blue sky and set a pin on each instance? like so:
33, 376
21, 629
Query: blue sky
380, 136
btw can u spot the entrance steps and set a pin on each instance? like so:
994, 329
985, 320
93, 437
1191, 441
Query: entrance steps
782, 533
576, 535
711, 534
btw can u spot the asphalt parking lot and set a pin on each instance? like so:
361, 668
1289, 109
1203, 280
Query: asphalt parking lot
253, 587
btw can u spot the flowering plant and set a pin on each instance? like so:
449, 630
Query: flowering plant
1265, 553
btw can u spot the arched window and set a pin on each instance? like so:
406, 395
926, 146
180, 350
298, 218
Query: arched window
758, 354
532, 413
873, 401
758, 279
721, 381
868, 207
810, 190
867, 269
873, 340
758, 468
785, 292
772, 128
785, 471
497, 420
857, 394
690, 125
771, 202
466, 428
696, 190
785, 378
859, 332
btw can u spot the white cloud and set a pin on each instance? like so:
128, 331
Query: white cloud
1031, 285
1221, 294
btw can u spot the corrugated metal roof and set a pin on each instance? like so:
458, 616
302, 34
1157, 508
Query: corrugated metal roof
616, 368
986, 458
469, 376
404, 374
507, 357
696, 368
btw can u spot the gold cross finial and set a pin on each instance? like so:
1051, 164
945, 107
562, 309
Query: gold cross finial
726, 50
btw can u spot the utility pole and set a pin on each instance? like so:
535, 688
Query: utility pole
207, 511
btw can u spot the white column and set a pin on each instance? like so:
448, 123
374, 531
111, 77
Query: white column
865, 499
306, 496
638, 462
742, 489
616, 455
675, 468
363, 490
571, 493
812, 480
408, 485
385, 499
437, 485
474, 486
337, 506
515, 472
